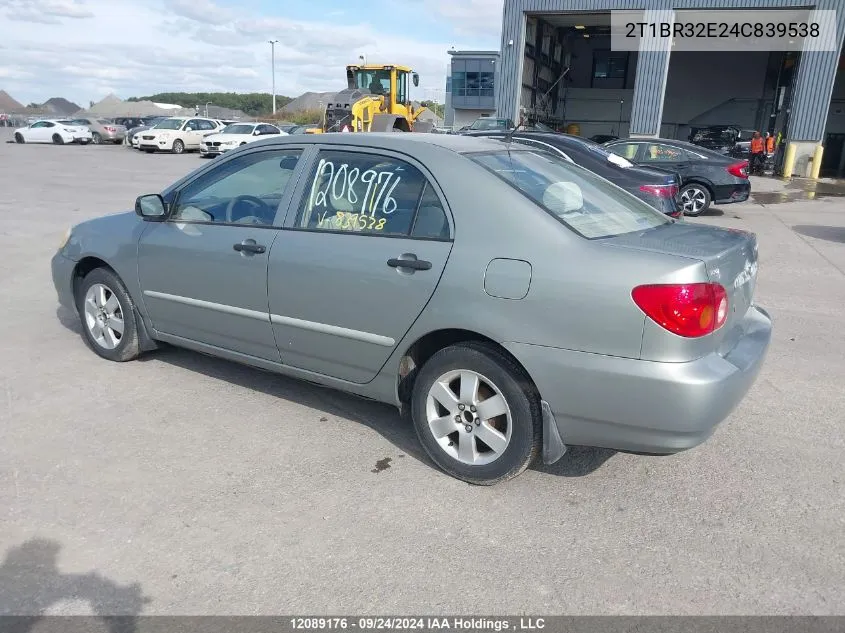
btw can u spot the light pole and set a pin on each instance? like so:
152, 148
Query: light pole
206, 108
363, 59
273, 66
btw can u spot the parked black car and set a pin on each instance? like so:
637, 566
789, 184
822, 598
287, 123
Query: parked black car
657, 186
707, 176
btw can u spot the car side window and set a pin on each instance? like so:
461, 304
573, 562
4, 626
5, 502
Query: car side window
39, 124
268, 129
657, 153
431, 219
194, 124
246, 190
361, 193
625, 150
207, 125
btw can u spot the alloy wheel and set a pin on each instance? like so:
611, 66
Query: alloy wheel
469, 417
104, 316
693, 200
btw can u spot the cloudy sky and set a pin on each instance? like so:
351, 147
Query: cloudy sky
85, 49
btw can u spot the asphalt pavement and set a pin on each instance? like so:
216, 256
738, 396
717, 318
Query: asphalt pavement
182, 484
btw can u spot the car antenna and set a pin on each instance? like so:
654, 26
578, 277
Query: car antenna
509, 135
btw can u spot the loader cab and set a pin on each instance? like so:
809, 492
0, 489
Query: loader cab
391, 82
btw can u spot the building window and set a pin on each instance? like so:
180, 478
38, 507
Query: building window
610, 65
472, 84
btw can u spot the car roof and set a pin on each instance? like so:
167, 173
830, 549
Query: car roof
401, 141
692, 147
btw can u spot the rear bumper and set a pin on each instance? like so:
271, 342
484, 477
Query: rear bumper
735, 192
644, 406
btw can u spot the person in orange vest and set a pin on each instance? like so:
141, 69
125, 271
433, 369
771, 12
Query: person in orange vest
757, 149
770, 143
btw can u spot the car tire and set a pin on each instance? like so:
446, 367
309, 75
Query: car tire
102, 302
58, 140
19, 138
485, 373
695, 199
178, 147
96, 138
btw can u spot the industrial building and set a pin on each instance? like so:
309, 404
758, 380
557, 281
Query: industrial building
557, 66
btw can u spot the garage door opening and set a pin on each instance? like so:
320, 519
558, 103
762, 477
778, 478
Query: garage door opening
718, 99
571, 78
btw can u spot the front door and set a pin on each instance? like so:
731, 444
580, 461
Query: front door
364, 250
203, 271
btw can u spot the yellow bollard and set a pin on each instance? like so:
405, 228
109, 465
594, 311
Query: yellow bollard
817, 162
789, 160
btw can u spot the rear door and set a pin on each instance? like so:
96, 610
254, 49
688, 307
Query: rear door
368, 235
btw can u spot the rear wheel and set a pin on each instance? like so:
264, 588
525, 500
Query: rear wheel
96, 138
19, 138
107, 313
477, 414
58, 140
178, 147
695, 199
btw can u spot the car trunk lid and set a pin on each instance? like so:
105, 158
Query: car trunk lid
729, 256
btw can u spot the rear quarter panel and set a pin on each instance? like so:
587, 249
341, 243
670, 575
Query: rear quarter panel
580, 292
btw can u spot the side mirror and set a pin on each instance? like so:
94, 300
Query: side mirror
189, 129
150, 207
416, 79
256, 133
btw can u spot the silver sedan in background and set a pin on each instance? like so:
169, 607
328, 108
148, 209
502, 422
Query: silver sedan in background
514, 302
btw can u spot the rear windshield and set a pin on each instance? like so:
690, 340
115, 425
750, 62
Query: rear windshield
588, 204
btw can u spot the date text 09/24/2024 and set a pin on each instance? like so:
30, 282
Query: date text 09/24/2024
418, 623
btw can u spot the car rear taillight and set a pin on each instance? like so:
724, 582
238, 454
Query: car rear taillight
110, 129
688, 310
661, 191
740, 170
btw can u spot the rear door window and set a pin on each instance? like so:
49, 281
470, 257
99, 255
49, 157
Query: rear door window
660, 153
583, 201
367, 193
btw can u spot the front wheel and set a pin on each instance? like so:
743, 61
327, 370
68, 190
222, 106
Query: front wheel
107, 313
19, 138
96, 138
58, 140
695, 199
477, 414
178, 147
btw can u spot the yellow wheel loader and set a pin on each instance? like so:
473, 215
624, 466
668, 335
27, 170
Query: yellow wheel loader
376, 100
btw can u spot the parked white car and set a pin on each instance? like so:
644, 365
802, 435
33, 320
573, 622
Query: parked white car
178, 134
57, 131
235, 135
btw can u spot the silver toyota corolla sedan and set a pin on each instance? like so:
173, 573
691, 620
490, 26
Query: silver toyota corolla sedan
515, 303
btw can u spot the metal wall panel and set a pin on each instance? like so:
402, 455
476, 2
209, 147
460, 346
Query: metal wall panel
814, 83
